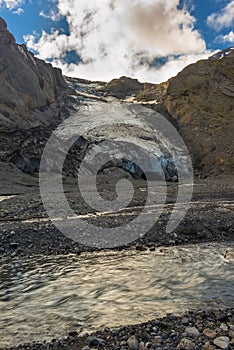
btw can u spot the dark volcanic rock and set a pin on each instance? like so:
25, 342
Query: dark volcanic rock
30, 89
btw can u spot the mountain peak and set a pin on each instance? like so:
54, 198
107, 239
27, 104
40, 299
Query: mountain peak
30, 89
2, 24
229, 52
6, 37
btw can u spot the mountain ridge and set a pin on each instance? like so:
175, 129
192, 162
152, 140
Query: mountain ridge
228, 52
34, 96
31, 90
199, 102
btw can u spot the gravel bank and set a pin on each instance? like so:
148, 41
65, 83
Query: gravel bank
26, 230
200, 330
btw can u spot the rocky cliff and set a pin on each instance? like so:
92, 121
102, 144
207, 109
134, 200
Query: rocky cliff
229, 52
198, 102
31, 90
201, 100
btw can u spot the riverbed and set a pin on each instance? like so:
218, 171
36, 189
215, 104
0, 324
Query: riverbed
42, 298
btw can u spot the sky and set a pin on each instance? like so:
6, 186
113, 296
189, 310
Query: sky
151, 40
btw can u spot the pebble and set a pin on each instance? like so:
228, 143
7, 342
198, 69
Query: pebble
209, 333
93, 341
123, 343
223, 327
155, 329
192, 331
208, 346
157, 340
73, 334
14, 245
186, 344
185, 320
133, 343
222, 342
141, 248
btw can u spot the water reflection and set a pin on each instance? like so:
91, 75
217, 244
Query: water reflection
45, 297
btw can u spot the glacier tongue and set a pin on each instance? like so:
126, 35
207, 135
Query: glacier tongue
134, 137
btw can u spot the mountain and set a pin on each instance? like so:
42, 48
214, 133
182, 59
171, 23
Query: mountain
200, 103
123, 87
229, 52
32, 92
35, 97
201, 100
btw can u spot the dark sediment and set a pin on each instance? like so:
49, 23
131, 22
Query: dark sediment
25, 228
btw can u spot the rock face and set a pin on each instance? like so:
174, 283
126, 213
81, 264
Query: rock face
123, 87
229, 52
30, 89
198, 102
201, 100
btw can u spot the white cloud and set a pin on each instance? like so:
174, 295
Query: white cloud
228, 38
143, 73
11, 4
18, 11
53, 15
121, 37
49, 46
222, 19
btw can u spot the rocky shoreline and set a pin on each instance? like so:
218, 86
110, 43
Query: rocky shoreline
194, 330
26, 231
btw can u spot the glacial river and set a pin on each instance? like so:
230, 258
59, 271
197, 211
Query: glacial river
46, 297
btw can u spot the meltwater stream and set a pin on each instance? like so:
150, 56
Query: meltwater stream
46, 297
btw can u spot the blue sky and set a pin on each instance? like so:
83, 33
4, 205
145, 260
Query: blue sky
29, 20
103, 39
202, 10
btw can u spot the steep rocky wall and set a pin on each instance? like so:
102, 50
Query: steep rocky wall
30, 89
199, 102
201, 99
